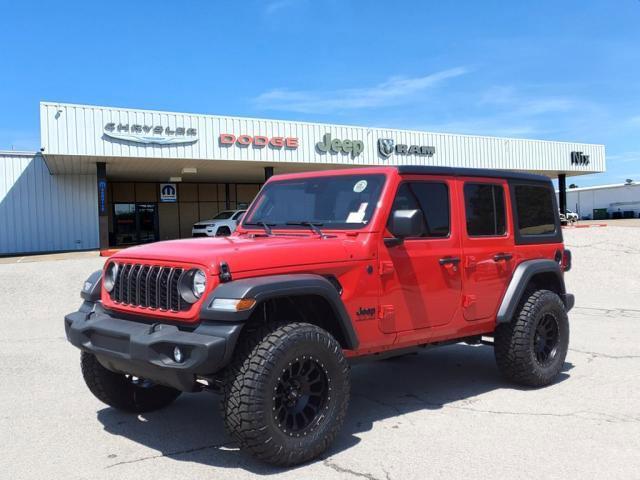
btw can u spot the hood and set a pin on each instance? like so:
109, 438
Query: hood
243, 253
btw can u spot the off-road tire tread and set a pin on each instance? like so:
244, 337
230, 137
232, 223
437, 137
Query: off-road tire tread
259, 347
116, 391
512, 341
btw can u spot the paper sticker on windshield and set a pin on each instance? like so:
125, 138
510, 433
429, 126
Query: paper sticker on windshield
358, 216
360, 186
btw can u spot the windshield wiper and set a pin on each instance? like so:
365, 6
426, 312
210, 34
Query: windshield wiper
265, 225
312, 225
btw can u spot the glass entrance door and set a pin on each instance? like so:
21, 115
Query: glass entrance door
147, 216
135, 223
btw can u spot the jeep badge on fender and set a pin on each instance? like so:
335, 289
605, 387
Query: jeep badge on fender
323, 268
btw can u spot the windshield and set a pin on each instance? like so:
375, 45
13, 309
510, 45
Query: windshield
223, 215
340, 201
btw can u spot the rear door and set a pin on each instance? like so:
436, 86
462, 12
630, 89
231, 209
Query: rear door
420, 278
487, 244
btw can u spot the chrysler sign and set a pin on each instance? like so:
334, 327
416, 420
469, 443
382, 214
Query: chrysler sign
150, 134
387, 146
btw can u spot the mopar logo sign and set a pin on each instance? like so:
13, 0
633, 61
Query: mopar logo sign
168, 192
102, 197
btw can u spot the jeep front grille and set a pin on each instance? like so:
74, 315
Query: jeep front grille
149, 286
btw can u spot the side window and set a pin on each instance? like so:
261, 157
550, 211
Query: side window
432, 199
534, 206
485, 211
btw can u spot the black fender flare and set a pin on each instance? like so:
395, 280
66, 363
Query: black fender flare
91, 287
274, 286
518, 284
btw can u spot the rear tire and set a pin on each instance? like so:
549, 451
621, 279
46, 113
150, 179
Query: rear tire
286, 392
121, 391
531, 349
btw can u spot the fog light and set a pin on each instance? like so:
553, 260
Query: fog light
177, 355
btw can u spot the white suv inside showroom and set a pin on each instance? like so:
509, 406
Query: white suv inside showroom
223, 224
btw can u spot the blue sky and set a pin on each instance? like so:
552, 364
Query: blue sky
562, 70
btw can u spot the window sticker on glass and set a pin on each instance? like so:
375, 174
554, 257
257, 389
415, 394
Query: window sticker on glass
358, 216
360, 186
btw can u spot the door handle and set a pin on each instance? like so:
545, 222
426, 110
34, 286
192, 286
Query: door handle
498, 257
449, 261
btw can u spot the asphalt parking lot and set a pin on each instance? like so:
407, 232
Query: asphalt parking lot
445, 413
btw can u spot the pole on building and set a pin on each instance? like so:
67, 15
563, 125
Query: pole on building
268, 173
103, 212
562, 187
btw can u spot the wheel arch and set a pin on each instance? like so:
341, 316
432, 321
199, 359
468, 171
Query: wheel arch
312, 298
537, 274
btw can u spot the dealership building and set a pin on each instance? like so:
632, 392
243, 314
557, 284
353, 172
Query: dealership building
112, 177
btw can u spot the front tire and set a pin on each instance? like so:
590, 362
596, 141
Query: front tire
124, 392
531, 349
286, 393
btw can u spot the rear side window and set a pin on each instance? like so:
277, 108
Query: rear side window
432, 199
534, 205
485, 211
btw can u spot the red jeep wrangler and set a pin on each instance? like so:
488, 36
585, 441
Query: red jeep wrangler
326, 267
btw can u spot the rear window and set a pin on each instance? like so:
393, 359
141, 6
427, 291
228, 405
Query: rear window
534, 205
484, 206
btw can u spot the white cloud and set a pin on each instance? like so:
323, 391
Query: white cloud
509, 98
391, 92
635, 121
494, 127
632, 156
273, 7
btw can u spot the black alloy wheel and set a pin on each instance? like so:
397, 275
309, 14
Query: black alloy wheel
546, 339
300, 395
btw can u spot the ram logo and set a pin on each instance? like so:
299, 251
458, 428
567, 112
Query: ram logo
386, 146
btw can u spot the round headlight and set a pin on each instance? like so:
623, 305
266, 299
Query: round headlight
110, 276
192, 285
199, 283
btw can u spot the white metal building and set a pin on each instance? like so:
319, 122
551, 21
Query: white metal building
117, 176
616, 199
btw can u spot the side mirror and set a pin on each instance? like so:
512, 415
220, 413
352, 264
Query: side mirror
406, 223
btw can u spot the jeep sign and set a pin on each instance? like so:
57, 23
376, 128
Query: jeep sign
354, 147
387, 146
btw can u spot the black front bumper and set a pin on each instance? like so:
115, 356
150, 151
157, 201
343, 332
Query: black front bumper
146, 350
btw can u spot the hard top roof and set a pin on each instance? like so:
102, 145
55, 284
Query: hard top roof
470, 172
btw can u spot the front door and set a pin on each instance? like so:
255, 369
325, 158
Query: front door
488, 246
420, 278
147, 218
135, 223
